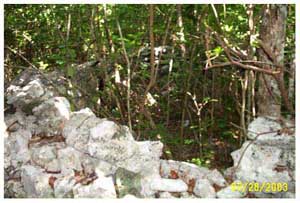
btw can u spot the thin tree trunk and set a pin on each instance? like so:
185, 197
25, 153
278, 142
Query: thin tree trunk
152, 64
272, 34
183, 52
128, 76
292, 80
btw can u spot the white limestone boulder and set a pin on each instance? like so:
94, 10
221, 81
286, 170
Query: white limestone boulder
169, 185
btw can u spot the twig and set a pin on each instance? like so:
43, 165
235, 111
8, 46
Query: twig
244, 66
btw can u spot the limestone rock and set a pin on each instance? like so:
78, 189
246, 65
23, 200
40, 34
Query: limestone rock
14, 189
70, 160
102, 187
215, 177
35, 182
271, 158
166, 195
129, 197
27, 90
43, 156
169, 185
229, 192
270, 126
185, 171
187, 195
16, 148
128, 183
77, 129
52, 115
63, 187
204, 189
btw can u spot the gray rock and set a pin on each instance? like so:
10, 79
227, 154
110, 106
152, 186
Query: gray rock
43, 156
166, 195
113, 151
102, 187
204, 189
229, 192
105, 167
270, 126
128, 183
53, 166
77, 129
35, 182
63, 187
14, 189
271, 158
16, 148
52, 115
28, 90
187, 195
169, 185
166, 166
129, 197
108, 130
146, 160
258, 164
186, 171
70, 160
263, 125
215, 177
289, 195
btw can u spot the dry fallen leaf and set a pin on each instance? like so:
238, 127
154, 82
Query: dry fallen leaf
51, 181
191, 185
173, 175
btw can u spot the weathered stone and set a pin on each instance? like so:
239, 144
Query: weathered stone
185, 171
263, 125
271, 136
187, 195
113, 151
145, 160
52, 115
215, 177
231, 192
128, 183
77, 129
264, 160
16, 148
70, 160
108, 130
43, 156
53, 166
28, 90
269, 159
166, 166
14, 189
129, 197
102, 187
169, 185
166, 195
289, 195
35, 182
105, 167
204, 189
63, 187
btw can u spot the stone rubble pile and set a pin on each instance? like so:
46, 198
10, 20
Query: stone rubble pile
270, 159
51, 151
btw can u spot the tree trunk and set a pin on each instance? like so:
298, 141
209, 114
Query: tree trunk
272, 35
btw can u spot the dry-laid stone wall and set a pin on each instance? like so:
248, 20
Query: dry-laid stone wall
52, 152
